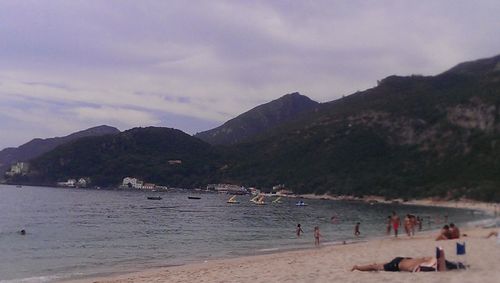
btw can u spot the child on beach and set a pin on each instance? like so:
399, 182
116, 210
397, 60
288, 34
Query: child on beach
356, 230
317, 235
299, 230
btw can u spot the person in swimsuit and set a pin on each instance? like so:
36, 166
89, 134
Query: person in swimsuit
412, 264
492, 234
407, 225
317, 235
389, 223
395, 223
299, 230
445, 233
356, 230
454, 231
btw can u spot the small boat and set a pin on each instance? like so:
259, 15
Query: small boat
19, 186
232, 200
301, 203
192, 197
260, 201
254, 199
155, 198
278, 200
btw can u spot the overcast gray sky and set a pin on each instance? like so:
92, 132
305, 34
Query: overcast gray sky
69, 65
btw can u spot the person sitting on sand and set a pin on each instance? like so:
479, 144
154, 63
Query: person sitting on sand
413, 264
445, 233
454, 231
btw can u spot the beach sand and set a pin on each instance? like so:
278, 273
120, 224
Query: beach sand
333, 263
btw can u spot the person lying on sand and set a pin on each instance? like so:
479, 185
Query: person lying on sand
491, 234
412, 264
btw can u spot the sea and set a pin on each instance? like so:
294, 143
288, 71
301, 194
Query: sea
78, 233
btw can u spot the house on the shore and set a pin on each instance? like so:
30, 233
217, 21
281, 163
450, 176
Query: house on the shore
20, 168
148, 186
228, 189
70, 183
132, 183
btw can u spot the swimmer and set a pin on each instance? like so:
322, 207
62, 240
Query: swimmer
356, 230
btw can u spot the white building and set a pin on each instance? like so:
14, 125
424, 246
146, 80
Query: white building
20, 168
130, 182
148, 186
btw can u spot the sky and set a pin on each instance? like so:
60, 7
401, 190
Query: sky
191, 65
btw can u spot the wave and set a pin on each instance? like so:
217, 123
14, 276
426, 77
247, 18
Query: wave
38, 279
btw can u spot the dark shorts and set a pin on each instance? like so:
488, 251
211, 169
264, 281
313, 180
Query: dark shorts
393, 265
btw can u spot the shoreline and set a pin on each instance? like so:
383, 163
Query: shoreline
219, 269
330, 263
488, 208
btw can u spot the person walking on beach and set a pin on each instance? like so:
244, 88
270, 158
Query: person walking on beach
407, 225
299, 230
317, 235
388, 228
395, 221
356, 230
419, 223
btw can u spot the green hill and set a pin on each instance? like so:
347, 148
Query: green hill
409, 136
412, 136
140, 152
37, 147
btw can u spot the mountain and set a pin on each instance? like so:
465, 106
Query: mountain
37, 147
159, 155
407, 137
259, 119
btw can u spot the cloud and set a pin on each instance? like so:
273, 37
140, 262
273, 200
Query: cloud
196, 64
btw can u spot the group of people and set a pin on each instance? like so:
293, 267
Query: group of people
411, 223
449, 232
317, 234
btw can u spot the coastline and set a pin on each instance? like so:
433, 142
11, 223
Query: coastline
491, 209
332, 263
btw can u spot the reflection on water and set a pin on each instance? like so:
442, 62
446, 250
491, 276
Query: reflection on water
71, 231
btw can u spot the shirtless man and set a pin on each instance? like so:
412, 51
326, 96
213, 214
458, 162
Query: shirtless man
395, 223
399, 264
413, 264
445, 233
454, 231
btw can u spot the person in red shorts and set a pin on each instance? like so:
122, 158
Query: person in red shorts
396, 221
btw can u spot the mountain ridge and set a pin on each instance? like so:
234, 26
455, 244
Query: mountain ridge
258, 119
38, 146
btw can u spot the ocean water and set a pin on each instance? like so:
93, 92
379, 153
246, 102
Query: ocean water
75, 232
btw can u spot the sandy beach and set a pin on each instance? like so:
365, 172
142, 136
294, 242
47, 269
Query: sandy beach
333, 263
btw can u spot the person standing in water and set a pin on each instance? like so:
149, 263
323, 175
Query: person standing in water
395, 221
388, 228
299, 230
317, 235
356, 230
